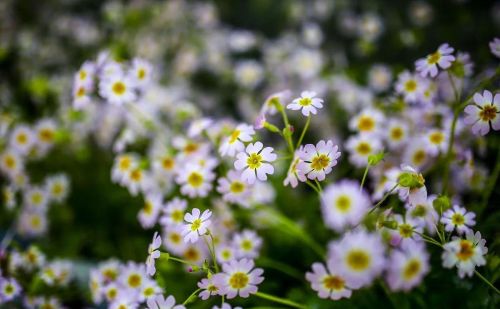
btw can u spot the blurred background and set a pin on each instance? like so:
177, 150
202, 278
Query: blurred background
43, 43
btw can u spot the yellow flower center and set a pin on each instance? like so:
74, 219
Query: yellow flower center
433, 58
466, 250
237, 187
177, 215
36, 222
254, 161
366, 123
246, 245
136, 175
333, 283
410, 85
405, 230
238, 280
436, 138
22, 138
134, 280
168, 163
46, 135
80, 92
488, 113
195, 179
234, 136
141, 74
191, 254
396, 133
175, 238
124, 163
10, 162
343, 203
305, 101
83, 74
364, 148
36, 198
457, 219
190, 148
411, 269
119, 88
358, 260
195, 225
148, 207
149, 291
57, 189
419, 157
320, 162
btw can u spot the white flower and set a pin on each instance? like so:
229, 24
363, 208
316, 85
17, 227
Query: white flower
379, 77
360, 147
484, 113
238, 277
294, 174
437, 141
85, 76
57, 187
397, 133
22, 139
148, 215
328, 283
358, 257
195, 180
249, 73
369, 121
197, 225
118, 89
153, 254
11, 162
408, 266
247, 244
173, 212
307, 102
343, 204
141, 72
466, 254
235, 142
254, 162
442, 57
458, 218
159, 302
317, 161
234, 190
410, 86
495, 47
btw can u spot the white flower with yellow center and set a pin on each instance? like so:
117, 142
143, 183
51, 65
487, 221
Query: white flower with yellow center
195, 181
358, 257
165, 163
235, 142
173, 239
85, 76
360, 147
437, 141
328, 283
484, 113
9, 196
416, 153
11, 162
254, 162
32, 223
458, 218
238, 277
442, 58
408, 229
407, 266
36, 198
118, 89
197, 224
148, 215
133, 276
57, 187
173, 212
137, 180
379, 77
81, 96
9, 289
396, 133
249, 73
317, 161
141, 72
45, 131
225, 253
410, 86
22, 139
234, 189
122, 166
466, 253
307, 103
343, 204
294, 174
369, 121
247, 244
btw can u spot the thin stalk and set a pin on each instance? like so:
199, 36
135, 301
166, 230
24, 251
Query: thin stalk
490, 186
290, 271
364, 177
313, 186
487, 282
287, 127
383, 198
190, 296
319, 185
279, 300
211, 248
306, 126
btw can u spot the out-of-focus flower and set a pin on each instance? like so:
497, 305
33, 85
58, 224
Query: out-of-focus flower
458, 218
153, 254
328, 283
235, 142
410, 86
495, 47
208, 288
407, 266
442, 57
360, 147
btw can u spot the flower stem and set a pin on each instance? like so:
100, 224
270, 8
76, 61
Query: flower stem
364, 176
487, 282
190, 297
383, 198
287, 127
211, 248
310, 184
489, 186
290, 271
306, 126
279, 300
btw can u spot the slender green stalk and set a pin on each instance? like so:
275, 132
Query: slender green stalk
306, 126
487, 282
429, 239
181, 261
290, 271
211, 248
191, 296
279, 300
364, 177
492, 180
383, 198
287, 127
319, 185
310, 184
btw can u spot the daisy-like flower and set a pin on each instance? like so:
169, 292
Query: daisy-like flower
254, 162
247, 244
173, 240
397, 133
442, 57
233, 189
360, 147
118, 89
22, 139
369, 121
235, 142
133, 276
408, 266
57, 187
195, 180
238, 277
495, 47
32, 223
208, 288
225, 253
137, 180
379, 77
437, 141
317, 161
359, 257
410, 86
161, 302
484, 113
9, 289
58, 272
153, 254
466, 253
11, 162
148, 215
150, 289
174, 212
122, 166
458, 218
36, 198
141, 72
328, 283
85, 76
294, 174
416, 153
407, 229
307, 103
343, 204
45, 131
81, 96
197, 225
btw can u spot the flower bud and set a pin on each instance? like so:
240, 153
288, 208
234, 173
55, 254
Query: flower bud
441, 203
411, 180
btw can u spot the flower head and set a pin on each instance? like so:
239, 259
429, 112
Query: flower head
442, 57
238, 277
197, 224
254, 162
328, 282
153, 254
317, 161
458, 218
465, 253
484, 113
307, 103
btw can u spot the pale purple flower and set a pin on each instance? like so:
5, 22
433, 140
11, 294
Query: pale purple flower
458, 218
407, 266
238, 277
328, 282
484, 113
307, 103
254, 162
317, 161
495, 47
442, 57
208, 288
197, 225
153, 254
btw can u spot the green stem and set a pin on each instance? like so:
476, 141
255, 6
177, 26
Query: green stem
319, 185
487, 282
364, 177
310, 184
383, 198
492, 180
429, 239
279, 300
290, 271
181, 261
211, 248
190, 296
287, 127
306, 126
